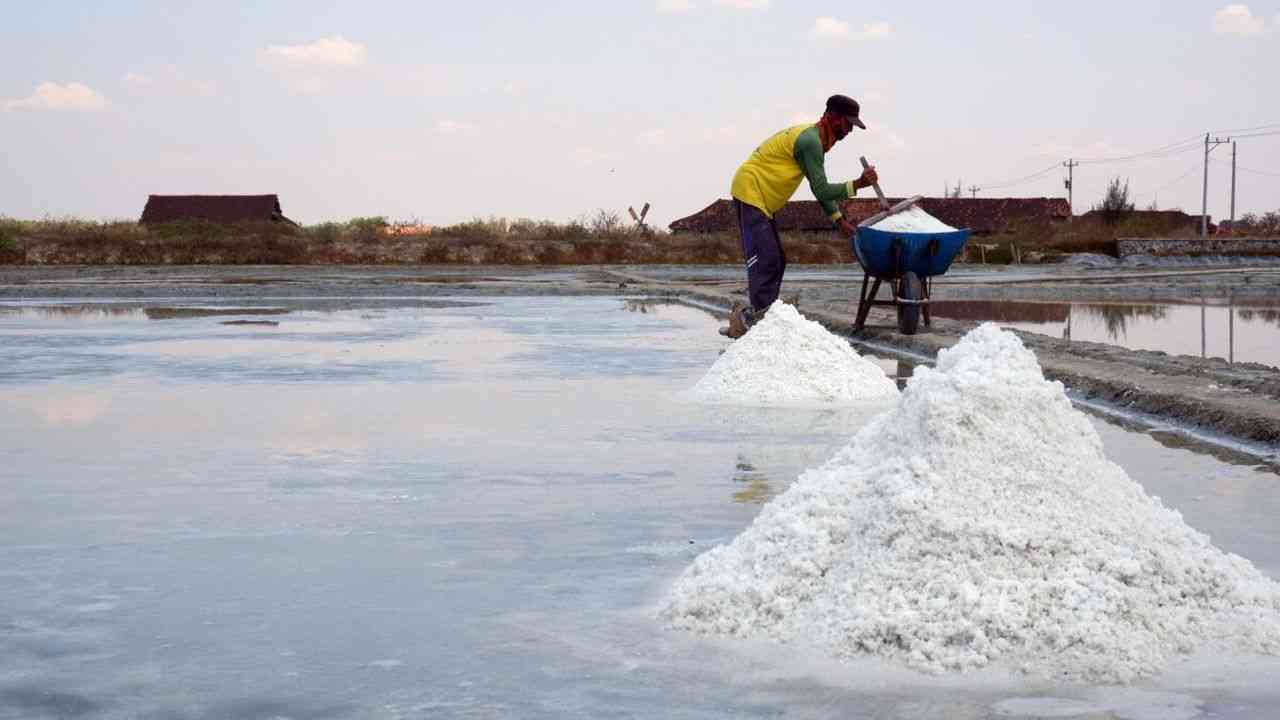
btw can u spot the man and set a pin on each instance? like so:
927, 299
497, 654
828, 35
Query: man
766, 181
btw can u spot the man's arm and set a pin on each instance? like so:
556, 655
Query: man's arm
809, 154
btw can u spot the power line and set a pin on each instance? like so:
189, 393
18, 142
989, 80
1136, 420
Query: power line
1241, 167
1018, 181
1248, 129
1260, 134
1164, 151
1171, 148
1192, 168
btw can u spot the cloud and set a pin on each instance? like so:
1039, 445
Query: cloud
675, 7
656, 137
742, 4
330, 52
681, 7
726, 134
452, 127
311, 68
166, 80
832, 29
875, 30
588, 156
418, 80
73, 96
1237, 20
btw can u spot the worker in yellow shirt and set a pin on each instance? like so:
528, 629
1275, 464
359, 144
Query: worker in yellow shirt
767, 180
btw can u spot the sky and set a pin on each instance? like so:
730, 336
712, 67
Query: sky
440, 112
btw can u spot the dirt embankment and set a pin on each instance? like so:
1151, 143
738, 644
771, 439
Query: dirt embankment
1239, 400
271, 245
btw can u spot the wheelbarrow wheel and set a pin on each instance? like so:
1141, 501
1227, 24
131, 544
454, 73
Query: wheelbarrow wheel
911, 290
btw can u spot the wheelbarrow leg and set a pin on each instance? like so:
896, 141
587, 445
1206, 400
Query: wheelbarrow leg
864, 302
928, 321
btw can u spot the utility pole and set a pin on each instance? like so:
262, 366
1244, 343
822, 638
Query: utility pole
973, 191
1204, 195
1233, 185
1070, 165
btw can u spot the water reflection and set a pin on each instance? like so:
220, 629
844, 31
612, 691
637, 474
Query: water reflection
758, 490
1266, 316
1116, 317
906, 368
1212, 327
1000, 311
1178, 441
174, 313
54, 312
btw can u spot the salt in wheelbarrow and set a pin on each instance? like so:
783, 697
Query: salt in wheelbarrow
906, 260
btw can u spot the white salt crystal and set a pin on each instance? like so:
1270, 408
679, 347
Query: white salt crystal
979, 522
913, 220
786, 358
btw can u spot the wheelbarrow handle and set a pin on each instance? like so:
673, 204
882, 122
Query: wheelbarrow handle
879, 193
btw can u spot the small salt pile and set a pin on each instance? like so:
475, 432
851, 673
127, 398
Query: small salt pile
913, 220
786, 358
979, 521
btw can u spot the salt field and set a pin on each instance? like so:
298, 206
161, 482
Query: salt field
459, 507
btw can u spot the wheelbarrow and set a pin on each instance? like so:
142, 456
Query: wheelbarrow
907, 261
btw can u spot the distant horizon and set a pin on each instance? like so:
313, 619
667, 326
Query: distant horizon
581, 217
440, 113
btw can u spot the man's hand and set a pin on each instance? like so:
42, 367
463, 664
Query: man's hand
869, 177
845, 227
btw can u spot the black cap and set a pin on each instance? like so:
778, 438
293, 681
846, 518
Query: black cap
845, 106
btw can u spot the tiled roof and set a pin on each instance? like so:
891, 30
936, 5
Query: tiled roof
215, 208
982, 215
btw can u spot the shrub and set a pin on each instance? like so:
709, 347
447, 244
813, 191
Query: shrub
605, 222
9, 233
327, 232
365, 229
1115, 204
1253, 224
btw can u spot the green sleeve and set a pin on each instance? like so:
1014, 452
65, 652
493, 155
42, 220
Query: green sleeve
808, 152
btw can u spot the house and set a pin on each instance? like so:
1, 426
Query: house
213, 208
983, 216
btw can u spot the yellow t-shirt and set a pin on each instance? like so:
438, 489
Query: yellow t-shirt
770, 176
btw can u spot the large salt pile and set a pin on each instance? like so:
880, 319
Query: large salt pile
912, 220
786, 358
976, 521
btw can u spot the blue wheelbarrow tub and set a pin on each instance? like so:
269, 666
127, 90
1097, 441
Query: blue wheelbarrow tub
887, 255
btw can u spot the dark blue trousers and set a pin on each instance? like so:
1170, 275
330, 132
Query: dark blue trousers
762, 251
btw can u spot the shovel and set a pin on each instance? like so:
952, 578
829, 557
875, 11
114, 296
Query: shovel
884, 203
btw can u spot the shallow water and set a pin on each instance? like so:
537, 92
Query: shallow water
385, 509
1238, 333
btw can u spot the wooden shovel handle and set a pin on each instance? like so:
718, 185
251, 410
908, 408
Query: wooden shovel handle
879, 193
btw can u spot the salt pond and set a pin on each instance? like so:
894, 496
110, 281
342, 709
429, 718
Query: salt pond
382, 509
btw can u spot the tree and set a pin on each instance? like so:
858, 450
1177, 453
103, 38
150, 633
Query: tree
1267, 224
1115, 204
605, 222
953, 192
